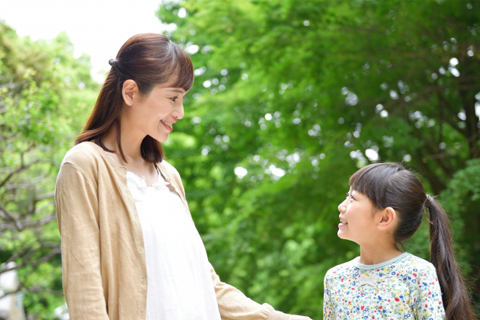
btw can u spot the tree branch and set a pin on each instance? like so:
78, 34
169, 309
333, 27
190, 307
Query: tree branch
26, 185
44, 196
20, 225
19, 169
33, 290
11, 217
20, 287
45, 258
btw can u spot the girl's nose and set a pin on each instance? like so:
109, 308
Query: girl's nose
342, 207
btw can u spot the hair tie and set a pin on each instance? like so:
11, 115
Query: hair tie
428, 201
112, 62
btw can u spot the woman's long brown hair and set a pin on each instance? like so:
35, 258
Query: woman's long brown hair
148, 59
391, 185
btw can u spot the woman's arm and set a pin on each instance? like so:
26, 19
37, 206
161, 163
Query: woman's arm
77, 214
233, 304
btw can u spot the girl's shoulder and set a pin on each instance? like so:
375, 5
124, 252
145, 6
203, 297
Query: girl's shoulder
340, 269
405, 264
416, 264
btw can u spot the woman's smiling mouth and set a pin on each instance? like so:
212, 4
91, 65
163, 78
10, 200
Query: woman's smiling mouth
167, 125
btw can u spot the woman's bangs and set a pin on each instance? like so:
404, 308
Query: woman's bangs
183, 70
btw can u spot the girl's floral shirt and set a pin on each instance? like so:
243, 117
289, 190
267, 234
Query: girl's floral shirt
405, 287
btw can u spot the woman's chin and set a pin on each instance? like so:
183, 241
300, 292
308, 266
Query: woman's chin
160, 137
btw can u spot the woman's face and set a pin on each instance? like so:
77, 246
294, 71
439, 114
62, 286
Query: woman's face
156, 113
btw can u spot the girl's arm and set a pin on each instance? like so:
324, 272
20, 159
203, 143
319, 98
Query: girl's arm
76, 205
428, 299
328, 310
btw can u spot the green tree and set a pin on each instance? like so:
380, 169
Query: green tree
294, 96
43, 94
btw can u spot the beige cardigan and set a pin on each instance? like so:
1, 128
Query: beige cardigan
103, 259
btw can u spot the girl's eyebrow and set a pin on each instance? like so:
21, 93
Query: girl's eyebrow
177, 90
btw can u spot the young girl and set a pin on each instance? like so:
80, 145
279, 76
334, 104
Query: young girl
383, 208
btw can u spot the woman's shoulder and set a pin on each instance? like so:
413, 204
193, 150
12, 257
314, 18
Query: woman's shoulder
82, 154
169, 169
171, 175
85, 157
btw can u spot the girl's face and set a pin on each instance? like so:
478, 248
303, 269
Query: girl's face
156, 113
357, 221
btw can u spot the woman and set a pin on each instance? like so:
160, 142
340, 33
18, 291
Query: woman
130, 249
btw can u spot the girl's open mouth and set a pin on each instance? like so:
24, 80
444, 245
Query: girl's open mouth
342, 223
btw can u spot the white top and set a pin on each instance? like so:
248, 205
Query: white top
180, 286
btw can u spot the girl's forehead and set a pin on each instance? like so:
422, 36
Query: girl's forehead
357, 192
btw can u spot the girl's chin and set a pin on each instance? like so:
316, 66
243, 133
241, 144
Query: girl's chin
341, 234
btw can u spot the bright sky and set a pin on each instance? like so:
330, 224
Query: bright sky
96, 27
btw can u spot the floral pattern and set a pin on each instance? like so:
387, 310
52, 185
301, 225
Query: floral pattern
405, 287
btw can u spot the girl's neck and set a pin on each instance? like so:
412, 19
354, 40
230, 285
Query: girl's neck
377, 254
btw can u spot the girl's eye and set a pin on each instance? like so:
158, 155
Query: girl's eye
174, 99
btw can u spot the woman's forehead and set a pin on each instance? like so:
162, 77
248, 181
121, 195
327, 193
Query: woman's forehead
169, 88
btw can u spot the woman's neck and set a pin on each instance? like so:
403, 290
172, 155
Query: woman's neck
130, 143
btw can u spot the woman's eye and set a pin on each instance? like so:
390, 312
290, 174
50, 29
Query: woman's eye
174, 98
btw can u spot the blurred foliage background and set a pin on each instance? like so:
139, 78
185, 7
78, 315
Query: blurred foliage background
290, 98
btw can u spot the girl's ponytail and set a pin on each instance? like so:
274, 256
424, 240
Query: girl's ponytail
455, 296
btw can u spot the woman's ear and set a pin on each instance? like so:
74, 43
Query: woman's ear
388, 219
129, 90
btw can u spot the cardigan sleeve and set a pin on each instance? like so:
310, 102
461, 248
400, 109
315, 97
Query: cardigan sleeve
77, 215
233, 304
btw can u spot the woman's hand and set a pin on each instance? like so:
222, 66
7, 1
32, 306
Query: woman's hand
295, 317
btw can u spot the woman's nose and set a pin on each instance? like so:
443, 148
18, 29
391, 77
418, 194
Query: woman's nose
178, 113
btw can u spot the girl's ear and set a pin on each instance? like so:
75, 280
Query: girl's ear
129, 89
388, 218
